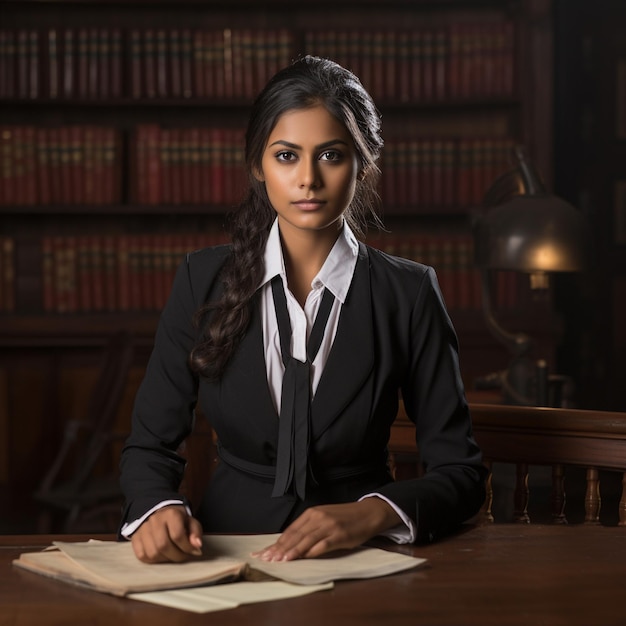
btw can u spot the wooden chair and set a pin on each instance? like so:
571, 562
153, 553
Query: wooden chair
558, 438
72, 486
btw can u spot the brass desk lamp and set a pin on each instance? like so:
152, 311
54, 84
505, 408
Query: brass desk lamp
525, 229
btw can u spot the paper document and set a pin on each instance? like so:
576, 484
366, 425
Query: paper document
111, 567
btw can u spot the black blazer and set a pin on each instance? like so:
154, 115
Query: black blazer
394, 335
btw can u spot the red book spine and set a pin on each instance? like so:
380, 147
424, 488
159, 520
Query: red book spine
216, 165
169, 266
104, 63
72, 287
155, 274
154, 165
175, 64
30, 166
403, 72
89, 164
134, 276
18, 165
53, 62
388, 182
69, 64
240, 175
33, 65
186, 64
97, 272
109, 273
205, 165
464, 184
85, 274
428, 65
7, 187
454, 61
93, 52
65, 165
123, 274
162, 69
112, 169
440, 62
176, 165
76, 163
116, 86
165, 161
136, 74
199, 62
43, 165
449, 172
437, 172
391, 66
99, 170
230, 166
146, 270
47, 274
378, 70
186, 195
54, 162
149, 64
194, 166
426, 177
227, 64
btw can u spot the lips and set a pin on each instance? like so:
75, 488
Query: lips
309, 204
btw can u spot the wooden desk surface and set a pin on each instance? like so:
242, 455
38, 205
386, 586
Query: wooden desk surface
505, 574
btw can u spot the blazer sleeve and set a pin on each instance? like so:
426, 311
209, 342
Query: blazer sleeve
151, 469
452, 487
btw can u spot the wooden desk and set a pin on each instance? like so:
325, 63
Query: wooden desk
489, 575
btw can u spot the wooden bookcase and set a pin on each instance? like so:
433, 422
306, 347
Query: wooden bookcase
161, 88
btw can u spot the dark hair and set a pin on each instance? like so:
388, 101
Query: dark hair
307, 82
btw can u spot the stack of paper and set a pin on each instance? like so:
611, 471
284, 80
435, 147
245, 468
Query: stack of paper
112, 567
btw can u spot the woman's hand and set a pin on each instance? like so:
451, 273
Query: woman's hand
169, 534
322, 529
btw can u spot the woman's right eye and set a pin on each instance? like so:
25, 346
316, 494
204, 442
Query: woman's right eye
285, 155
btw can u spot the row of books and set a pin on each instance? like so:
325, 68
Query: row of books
439, 172
452, 257
75, 165
187, 165
135, 272
59, 165
462, 60
92, 273
226, 63
7, 274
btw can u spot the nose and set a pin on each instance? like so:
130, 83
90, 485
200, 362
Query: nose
309, 174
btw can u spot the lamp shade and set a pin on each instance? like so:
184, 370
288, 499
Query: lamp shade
527, 229
531, 233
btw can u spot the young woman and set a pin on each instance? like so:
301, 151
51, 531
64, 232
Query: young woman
295, 342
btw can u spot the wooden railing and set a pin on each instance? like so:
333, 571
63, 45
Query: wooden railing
556, 437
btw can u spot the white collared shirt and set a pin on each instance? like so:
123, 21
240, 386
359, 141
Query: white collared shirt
336, 275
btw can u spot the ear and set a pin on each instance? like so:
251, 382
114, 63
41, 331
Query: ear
258, 174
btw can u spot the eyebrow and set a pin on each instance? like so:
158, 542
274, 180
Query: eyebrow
321, 146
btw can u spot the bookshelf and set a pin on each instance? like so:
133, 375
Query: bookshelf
120, 146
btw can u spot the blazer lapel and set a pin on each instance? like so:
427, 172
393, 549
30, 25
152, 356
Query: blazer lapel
351, 359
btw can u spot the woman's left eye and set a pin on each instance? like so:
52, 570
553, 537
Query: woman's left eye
330, 155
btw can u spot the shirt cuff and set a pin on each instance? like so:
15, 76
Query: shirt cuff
130, 527
402, 533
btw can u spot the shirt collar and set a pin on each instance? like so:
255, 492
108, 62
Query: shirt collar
337, 271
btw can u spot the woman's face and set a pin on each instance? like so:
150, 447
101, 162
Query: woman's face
309, 167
